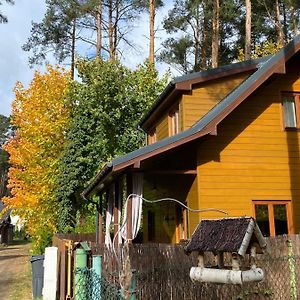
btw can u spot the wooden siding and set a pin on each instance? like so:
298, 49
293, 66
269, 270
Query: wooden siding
162, 129
192, 201
252, 157
205, 96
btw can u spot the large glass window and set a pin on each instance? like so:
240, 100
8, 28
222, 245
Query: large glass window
273, 217
290, 104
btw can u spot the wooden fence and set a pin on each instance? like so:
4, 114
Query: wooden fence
61, 242
163, 272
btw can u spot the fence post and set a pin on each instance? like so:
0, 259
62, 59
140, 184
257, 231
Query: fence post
80, 277
97, 267
291, 260
132, 289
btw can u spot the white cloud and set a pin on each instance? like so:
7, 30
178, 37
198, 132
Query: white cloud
13, 60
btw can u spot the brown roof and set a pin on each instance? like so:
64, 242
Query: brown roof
223, 235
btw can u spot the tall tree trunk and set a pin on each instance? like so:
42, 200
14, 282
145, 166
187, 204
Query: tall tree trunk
73, 49
99, 27
115, 40
279, 28
204, 36
215, 34
110, 30
197, 31
285, 25
248, 30
294, 19
151, 25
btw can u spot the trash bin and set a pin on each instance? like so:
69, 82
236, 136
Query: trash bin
37, 265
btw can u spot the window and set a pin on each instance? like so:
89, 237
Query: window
152, 136
291, 110
273, 217
174, 125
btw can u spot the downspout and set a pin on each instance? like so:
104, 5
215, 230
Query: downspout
97, 215
145, 133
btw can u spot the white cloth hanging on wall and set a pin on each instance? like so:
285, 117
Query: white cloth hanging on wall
137, 189
109, 216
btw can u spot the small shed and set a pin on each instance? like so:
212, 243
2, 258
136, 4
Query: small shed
6, 228
236, 236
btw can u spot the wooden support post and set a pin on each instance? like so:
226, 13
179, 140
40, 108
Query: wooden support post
201, 259
185, 224
220, 260
116, 214
252, 256
100, 221
235, 262
63, 268
129, 208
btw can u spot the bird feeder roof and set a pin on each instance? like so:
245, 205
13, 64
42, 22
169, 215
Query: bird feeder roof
226, 235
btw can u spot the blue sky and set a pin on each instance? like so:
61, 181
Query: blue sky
14, 61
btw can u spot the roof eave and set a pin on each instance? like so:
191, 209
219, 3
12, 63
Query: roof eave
166, 92
274, 65
181, 85
97, 180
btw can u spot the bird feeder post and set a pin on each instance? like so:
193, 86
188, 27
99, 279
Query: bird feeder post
227, 240
252, 257
220, 260
201, 259
235, 261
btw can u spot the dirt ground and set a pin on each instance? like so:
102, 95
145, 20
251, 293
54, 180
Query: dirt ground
15, 278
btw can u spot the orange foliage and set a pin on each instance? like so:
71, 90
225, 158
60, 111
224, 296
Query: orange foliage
40, 114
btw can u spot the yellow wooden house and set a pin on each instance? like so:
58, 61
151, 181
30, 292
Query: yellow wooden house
225, 138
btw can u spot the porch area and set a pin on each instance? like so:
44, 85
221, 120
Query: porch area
136, 203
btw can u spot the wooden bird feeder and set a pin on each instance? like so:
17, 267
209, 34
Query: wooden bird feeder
236, 236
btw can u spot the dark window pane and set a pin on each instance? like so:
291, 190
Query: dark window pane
262, 218
280, 218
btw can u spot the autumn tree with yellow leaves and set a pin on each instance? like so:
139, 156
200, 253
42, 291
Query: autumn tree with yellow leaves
40, 115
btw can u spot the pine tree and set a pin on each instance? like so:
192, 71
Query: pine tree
248, 30
3, 18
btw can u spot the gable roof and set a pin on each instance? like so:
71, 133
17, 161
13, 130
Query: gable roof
185, 82
225, 235
208, 123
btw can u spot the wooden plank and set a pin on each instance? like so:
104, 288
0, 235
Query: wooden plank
116, 213
178, 172
256, 193
63, 270
246, 185
100, 220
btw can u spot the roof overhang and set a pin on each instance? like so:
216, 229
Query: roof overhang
205, 126
185, 84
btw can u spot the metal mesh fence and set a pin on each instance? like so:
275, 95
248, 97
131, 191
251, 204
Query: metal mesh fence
163, 272
169, 279
90, 286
